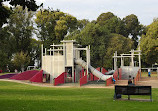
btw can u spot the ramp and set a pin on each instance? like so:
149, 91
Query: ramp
25, 75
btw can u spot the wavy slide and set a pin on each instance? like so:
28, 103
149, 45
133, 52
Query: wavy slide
93, 70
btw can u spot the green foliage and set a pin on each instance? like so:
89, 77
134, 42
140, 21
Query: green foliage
104, 17
96, 36
128, 26
149, 44
21, 60
103, 43
6, 44
54, 25
82, 23
115, 25
117, 43
5, 13
20, 26
3, 60
16, 36
35, 52
6, 48
132, 28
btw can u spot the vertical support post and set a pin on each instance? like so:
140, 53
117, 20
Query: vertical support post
132, 58
50, 62
45, 52
52, 73
58, 59
41, 55
115, 60
73, 62
64, 53
139, 60
121, 60
87, 56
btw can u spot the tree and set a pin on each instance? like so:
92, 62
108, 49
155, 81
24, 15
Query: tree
5, 13
104, 17
117, 43
21, 60
97, 37
113, 23
132, 27
20, 27
103, 44
54, 25
149, 44
3, 60
35, 52
82, 23
16, 35
6, 48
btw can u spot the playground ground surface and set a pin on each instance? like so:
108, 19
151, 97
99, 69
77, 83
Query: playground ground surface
25, 97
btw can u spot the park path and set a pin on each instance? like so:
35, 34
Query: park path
145, 81
149, 81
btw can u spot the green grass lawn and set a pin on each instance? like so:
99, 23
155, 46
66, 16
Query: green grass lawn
145, 74
20, 97
6, 73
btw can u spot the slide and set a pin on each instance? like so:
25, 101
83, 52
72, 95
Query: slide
93, 70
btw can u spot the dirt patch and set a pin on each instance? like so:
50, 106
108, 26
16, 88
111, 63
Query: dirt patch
149, 81
145, 81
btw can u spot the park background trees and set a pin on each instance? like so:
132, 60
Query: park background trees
149, 44
23, 29
52, 26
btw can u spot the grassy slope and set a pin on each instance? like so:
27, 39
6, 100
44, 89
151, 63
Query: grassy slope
7, 73
19, 97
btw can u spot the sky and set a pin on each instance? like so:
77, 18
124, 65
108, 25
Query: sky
145, 10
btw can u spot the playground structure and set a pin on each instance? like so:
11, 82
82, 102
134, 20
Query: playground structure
133, 70
65, 62
132, 55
